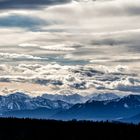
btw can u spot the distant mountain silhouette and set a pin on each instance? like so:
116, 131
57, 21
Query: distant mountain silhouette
103, 110
99, 107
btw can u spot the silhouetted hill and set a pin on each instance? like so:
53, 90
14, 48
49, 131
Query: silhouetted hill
23, 129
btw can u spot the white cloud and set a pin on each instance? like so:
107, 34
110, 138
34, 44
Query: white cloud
19, 56
58, 47
28, 45
77, 78
53, 47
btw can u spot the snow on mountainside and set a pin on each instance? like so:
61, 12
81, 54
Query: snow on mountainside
73, 98
103, 110
42, 102
103, 97
107, 106
76, 98
21, 101
16, 101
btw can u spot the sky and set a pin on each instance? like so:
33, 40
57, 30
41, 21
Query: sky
70, 46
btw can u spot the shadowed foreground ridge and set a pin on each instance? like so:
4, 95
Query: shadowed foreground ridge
19, 129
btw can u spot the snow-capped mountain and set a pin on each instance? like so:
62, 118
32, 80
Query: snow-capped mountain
72, 98
46, 103
100, 107
103, 97
103, 110
21, 101
15, 101
76, 98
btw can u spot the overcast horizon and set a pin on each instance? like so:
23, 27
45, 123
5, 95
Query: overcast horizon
70, 46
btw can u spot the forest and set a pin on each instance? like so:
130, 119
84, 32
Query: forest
21, 129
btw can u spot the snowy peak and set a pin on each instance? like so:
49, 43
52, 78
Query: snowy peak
21, 101
98, 107
46, 103
104, 97
72, 99
18, 96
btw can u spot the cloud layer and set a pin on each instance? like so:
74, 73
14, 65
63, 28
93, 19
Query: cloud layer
80, 45
78, 78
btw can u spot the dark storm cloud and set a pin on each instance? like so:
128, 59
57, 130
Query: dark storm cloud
25, 4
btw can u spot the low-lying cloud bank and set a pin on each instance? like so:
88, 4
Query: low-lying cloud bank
73, 77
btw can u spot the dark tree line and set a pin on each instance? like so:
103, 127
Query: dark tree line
24, 129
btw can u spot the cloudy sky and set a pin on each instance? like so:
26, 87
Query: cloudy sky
70, 46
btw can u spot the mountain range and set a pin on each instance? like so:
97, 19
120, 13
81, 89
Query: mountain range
97, 107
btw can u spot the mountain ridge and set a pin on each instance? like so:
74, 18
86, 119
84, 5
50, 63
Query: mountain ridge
99, 107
